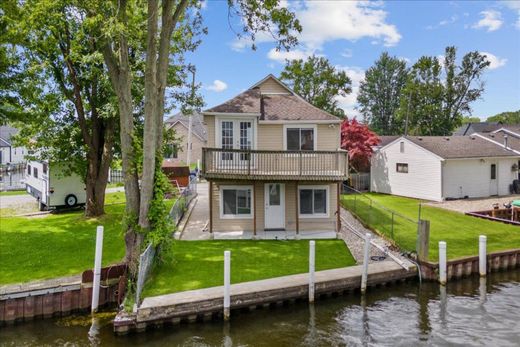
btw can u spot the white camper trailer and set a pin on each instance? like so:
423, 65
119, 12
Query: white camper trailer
47, 183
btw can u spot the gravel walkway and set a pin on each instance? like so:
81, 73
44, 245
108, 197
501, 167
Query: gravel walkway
356, 244
472, 205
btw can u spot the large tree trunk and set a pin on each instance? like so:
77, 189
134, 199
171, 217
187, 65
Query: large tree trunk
119, 72
99, 158
150, 128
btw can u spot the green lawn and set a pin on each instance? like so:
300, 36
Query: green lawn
13, 192
33, 248
461, 232
57, 244
200, 264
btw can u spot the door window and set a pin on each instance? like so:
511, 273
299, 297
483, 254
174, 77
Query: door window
493, 171
274, 195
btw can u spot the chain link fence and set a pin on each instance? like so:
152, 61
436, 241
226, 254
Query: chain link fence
145, 265
177, 211
390, 223
181, 204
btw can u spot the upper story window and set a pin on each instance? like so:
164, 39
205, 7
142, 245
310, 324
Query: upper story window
401, 147
301, 138
44, 168
35, 172
171, 151
28, 169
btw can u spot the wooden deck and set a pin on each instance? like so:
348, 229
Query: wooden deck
220, 163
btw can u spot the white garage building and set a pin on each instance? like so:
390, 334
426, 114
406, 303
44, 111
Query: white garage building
438, 168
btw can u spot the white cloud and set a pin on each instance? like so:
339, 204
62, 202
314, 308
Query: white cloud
495, 62
326, 21
515, 6
282, 56
349, 102
217, 86
491, 20
444, 22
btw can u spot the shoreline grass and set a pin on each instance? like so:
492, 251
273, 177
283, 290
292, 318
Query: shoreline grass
460, 231
200, 264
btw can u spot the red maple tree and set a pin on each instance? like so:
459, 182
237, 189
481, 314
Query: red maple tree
358, 140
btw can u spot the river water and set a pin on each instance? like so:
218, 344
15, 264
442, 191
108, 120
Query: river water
467, 312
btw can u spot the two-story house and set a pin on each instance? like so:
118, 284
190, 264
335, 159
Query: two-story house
273, 163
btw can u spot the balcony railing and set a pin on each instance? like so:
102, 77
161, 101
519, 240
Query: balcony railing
281, 165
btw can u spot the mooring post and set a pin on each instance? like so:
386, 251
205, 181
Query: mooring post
365, 264
312, 254
227, 283
423, 240
442, 263
97, 268
482, 256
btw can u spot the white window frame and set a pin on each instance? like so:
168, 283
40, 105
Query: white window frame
327, 205
218, 129
221, 202
314, 128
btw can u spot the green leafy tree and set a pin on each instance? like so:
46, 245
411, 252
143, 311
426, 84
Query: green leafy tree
318, 82
468, 119
509, 118
162, 32
58, 91
438, 95
380, 93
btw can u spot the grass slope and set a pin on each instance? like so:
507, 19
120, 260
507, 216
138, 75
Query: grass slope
200, 264
461, 232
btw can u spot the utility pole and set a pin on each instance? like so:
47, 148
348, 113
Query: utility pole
190, 116
407, 114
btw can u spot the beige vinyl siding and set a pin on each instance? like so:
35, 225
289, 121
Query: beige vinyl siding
181, 132
306, 224
270, 86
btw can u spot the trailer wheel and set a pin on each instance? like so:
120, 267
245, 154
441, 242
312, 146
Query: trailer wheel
71, 200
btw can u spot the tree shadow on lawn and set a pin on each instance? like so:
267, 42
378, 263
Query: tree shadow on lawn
57, 245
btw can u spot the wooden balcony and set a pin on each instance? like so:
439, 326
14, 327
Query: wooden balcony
220, 163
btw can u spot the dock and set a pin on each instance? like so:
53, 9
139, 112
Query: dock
207, 303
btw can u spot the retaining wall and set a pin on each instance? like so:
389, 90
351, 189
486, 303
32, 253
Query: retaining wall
466, 266
60, 297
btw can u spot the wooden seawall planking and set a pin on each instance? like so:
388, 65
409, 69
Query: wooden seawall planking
206, 303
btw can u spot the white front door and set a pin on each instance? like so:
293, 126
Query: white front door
274, 196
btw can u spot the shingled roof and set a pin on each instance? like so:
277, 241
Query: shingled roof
272, 106
458, 147
513, 142
197, 124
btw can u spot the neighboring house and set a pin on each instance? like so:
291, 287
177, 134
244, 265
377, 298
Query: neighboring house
179, 152
10, 154
506, 139
273, 163
481, 127
438, 168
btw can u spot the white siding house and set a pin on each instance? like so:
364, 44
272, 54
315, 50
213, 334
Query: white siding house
439, 168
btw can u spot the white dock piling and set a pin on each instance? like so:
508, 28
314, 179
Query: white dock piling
227, 284
442, 263
482, 256
97, 268
312, 257
365, 263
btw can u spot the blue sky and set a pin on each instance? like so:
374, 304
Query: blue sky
352, 35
